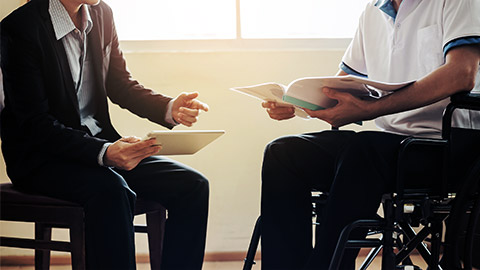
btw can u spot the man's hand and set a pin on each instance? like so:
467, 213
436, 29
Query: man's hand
349, 109
127, 152
186, 108
277, 112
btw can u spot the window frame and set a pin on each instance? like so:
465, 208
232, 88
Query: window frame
234, 45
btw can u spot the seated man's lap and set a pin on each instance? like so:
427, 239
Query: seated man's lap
72, 181
315, 157
155, 178
306, 157
167, 181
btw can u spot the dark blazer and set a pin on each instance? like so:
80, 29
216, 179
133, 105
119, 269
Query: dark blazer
41, 122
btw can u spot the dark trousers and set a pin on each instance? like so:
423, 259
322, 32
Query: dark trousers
108, 196
356, 169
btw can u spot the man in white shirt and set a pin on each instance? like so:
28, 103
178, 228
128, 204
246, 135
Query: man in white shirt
435, 43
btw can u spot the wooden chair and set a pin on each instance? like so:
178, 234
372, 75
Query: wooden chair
48, 213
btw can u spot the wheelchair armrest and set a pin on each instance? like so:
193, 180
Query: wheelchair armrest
466, 99
407, 147
463, 100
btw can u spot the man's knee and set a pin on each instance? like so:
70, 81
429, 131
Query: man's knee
200, 182
111, 186
196, 183
283, 147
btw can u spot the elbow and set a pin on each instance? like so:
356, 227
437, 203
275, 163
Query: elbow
470, 78
466, 79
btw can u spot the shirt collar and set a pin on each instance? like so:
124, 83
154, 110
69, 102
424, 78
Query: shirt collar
62, 23
387, 7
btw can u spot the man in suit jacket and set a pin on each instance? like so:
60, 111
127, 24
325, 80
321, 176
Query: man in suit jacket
61, 60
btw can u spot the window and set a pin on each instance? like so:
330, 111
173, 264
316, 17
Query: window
236, 22
300, 18
174, 19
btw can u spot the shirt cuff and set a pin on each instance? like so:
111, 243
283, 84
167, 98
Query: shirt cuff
351, 71
168, 116
460, 41
102, 154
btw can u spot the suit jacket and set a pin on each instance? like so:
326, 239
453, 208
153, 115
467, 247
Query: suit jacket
41, 120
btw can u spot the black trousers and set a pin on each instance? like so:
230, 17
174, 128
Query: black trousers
356, 169
108, 196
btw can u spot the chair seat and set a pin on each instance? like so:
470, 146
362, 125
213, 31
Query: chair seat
9, 194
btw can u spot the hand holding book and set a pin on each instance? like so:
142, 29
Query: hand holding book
306, 93
348, 109
280, 112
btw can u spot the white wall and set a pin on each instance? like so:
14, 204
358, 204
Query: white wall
6, 6
233, 162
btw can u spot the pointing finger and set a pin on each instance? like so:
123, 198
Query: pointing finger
191, 95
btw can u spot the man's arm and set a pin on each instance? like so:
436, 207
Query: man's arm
456, 75
31, 124
121, 88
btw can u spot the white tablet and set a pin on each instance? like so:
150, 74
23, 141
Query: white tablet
184, 142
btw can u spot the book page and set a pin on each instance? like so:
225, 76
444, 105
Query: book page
273, 92
265, 91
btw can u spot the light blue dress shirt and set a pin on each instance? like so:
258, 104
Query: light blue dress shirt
75, 43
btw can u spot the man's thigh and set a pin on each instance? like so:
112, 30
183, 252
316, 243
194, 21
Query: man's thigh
72, 181
165, 180
309, 158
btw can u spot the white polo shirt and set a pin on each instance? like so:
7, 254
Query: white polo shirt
408, 45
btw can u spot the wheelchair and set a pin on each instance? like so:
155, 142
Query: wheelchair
414, 219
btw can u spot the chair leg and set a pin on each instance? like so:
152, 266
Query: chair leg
388, 256
77, 242
155, 229
252, 248
42, 257
437, 229
370, 257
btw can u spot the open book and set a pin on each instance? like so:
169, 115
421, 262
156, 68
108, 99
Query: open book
307, 92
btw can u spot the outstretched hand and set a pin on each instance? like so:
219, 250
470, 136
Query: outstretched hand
349, 109
278, 112
186, 108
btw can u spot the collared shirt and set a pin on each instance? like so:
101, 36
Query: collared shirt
81, 67
387, 7
75, 43
407, 45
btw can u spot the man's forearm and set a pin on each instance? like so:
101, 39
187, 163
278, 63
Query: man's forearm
456, 75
